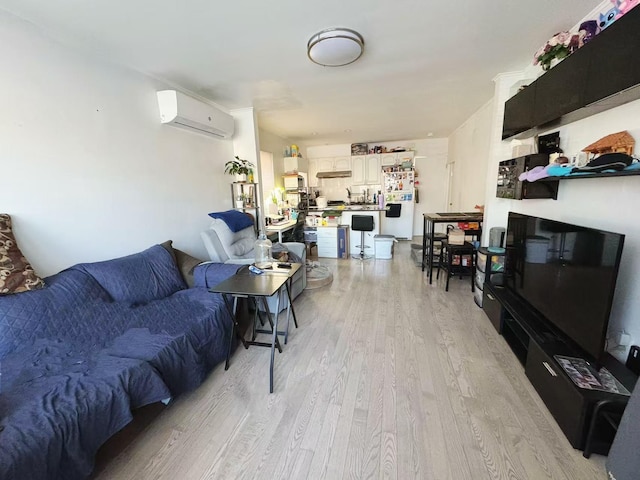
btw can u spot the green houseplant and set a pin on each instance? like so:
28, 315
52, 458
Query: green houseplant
238, 167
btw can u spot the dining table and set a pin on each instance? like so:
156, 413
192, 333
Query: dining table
429, 222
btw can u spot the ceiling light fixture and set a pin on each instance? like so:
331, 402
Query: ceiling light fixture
335, 47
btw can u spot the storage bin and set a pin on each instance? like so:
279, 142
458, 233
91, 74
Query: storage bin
481, 262
384, 246
477, 296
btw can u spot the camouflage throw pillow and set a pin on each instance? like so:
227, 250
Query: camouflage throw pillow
16, 273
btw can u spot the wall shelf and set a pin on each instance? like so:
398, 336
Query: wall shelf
601, 75
623, 173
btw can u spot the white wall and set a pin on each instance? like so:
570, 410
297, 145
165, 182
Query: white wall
469, 148
88, 171
274, 144
608, 204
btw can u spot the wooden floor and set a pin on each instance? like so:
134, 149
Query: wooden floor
387, 377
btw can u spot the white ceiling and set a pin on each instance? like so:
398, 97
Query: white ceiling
427, 65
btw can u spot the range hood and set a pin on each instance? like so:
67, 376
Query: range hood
338, 174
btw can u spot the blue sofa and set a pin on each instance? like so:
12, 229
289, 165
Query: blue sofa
100, 340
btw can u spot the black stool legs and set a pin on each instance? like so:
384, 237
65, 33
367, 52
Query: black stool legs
451, 269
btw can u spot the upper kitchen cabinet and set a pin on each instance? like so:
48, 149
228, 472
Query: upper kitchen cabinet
313, 170
390, 159
372, 170
334, 164
603, 74
358, 167
365, 170
341, 163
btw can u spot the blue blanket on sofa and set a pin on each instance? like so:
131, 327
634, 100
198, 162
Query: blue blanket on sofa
78, 356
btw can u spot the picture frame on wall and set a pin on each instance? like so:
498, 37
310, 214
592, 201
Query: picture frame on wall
359, 148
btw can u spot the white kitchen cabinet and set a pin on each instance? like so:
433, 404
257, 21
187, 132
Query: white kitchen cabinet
326, 164
372, 170
358, 170
404, 157
389, 159
342, 163
334, 164
365, 170
291, 164
327, 242
313, 170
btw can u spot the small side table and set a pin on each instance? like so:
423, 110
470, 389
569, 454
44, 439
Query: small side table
258, 288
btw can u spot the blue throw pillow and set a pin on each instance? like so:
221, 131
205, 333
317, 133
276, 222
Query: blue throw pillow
235, 220
138, 278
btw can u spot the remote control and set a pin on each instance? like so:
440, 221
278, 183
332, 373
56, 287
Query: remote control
256, 270
284, 265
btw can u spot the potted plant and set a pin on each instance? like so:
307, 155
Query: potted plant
240, 168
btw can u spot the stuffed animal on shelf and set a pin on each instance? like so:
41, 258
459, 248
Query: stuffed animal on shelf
608, 17
624, 6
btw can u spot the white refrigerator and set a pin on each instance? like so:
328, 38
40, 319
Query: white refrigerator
399, 188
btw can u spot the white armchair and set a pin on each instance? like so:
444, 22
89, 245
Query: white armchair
225, 246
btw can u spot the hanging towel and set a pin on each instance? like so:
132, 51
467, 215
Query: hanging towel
394, 210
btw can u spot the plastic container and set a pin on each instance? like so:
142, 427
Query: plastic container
262, 250
536, 249
384, 246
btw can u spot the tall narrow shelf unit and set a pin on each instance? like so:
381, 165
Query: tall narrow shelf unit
244, 197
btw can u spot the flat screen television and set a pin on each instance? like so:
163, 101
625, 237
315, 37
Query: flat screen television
567, 273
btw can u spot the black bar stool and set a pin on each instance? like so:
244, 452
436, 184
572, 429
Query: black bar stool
362, 223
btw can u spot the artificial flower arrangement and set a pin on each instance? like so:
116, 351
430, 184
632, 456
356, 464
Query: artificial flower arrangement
559, 46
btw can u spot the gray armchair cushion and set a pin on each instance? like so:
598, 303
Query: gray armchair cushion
225, 246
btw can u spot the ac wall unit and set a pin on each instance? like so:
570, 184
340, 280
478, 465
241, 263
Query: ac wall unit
183, 111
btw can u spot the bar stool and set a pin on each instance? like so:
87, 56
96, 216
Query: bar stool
362, 223
447, 254
437, 243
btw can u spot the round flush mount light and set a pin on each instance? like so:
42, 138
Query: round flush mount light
335, 47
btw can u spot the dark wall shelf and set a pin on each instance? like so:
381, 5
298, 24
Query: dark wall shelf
584, 176
602, 75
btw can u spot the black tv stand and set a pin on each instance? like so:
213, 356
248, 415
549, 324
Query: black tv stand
535, 343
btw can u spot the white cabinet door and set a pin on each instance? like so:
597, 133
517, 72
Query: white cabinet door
341, 163
290, 164
404, 157
358, 170
387, 159
325, 164
327, 242
313, 170
372, 170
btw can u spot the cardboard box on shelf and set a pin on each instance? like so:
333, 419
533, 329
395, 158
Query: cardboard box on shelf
456, 237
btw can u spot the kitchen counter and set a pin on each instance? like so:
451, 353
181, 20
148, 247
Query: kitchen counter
350, 208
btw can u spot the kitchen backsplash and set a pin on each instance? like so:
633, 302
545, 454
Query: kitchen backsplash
336, 188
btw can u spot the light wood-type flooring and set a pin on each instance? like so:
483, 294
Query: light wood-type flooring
387, 377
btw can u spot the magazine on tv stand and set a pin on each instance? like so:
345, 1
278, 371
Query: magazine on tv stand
584, 375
